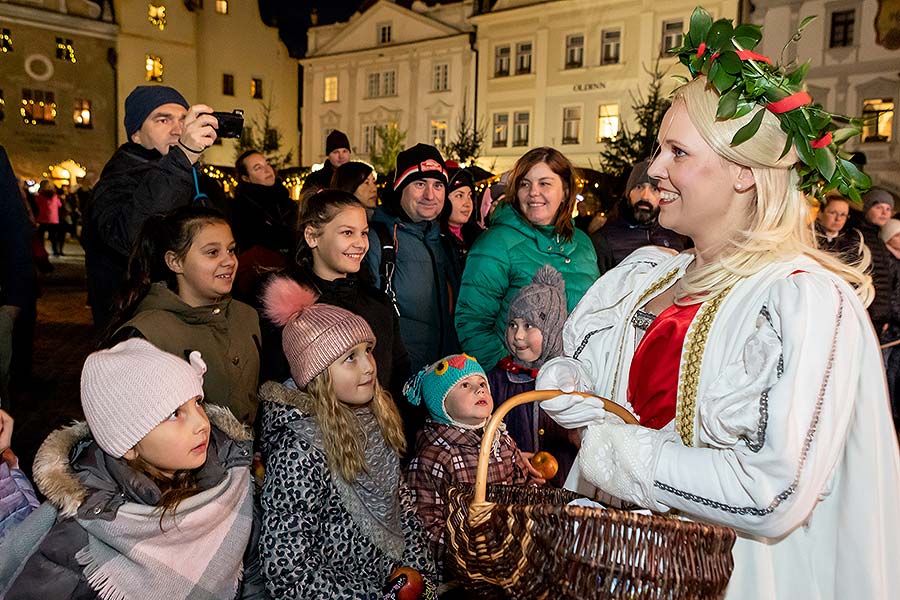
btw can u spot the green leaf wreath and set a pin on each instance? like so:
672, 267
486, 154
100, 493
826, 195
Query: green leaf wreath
744, 79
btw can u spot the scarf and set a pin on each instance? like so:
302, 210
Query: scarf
506, 363
198, 555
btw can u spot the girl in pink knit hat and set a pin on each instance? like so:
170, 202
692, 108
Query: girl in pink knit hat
337, 521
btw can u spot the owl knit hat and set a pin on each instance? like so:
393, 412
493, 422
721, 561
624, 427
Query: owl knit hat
314, 335
542, 303
433, 383
129, 389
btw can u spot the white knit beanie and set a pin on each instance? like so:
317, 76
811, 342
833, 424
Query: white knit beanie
131, 388
889, 230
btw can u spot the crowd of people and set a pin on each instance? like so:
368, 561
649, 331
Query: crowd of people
285, 391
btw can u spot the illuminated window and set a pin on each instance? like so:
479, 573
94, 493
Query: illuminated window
671, 35
611, 40
65, 50
572, 125
82, 115
227, 84
607, 122
384, 33
878, 117
501, 61
38, 107
157, 16
222, 7
574, 51
5, 41
256, 88
438, 133
2, 106
842, 22
331, 89
154, 68
501, 130
441, 81
523, 58
520, 128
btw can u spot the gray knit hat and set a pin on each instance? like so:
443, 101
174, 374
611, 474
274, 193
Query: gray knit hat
639, 176
131, 388
543, 304
877, 196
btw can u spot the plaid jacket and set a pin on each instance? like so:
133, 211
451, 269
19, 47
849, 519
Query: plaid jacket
446, 455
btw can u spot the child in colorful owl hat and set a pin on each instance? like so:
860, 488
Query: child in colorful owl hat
455, 391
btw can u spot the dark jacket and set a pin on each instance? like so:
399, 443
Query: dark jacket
226, 334
78, 478
426, 281
135, 184
264, 215
884, 274
17, 278
622, 235
321, 179
846, 245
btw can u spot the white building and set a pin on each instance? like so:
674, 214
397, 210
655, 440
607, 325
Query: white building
562, 72
389, 64
217, 52
854, 49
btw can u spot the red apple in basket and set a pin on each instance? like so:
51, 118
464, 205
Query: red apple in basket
545, 463
414, 584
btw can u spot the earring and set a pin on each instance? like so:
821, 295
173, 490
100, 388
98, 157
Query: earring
738, 187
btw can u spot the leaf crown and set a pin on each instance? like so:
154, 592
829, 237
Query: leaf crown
744, 79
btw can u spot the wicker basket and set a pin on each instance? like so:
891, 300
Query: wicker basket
524, 542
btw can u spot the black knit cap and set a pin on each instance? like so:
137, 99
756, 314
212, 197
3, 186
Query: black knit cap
336, 139
460, 178
419, 162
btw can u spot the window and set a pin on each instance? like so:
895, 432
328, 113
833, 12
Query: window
574, 51
878, 117
331, 89
227, 84
154, 68
439, 133
571, 125
382, 84
157, 16
441, 81
842, 22
384, 33
370, 138
38, 107
2, 106
501, 61
222, 7
65, 50
671, 35
501, 130
607, 122
523, 58
611, 43
82, 114
520, 129
5, 41
256, 88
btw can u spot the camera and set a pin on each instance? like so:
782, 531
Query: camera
231, 124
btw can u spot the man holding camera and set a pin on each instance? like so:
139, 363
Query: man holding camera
153, 173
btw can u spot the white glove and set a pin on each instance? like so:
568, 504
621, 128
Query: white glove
563, 374
621, 460
573, 411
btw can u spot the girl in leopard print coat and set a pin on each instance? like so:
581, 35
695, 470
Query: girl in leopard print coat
336, 518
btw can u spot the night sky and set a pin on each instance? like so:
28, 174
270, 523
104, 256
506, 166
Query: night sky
293, 17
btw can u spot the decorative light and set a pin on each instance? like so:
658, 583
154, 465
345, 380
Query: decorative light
157, 16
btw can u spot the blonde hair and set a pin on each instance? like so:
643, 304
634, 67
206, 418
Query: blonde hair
342, 433
777, 226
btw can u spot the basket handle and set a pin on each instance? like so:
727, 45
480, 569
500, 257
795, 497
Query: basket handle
525, 398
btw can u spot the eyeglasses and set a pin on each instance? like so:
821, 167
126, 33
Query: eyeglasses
837, 215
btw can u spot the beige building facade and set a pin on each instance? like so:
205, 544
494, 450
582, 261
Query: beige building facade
388, 65
217, 52
57, 87
562, 73
854, 50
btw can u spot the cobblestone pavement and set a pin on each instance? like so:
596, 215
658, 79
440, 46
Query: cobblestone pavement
63, 337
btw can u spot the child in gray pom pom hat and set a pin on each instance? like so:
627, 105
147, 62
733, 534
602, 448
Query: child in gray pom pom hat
534, 328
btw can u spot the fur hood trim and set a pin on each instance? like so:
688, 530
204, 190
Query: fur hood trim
53, 472
278, 393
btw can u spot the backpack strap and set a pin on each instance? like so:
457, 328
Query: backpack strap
387, 267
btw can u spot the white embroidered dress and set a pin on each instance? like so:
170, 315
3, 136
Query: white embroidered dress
785, 435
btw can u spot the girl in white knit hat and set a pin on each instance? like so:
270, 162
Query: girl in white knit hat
151, 498
336, 520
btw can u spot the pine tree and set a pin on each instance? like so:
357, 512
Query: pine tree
390, 143
627, 148
466, 148
259, 134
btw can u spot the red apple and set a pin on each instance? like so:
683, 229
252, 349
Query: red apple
545, 463
414, 584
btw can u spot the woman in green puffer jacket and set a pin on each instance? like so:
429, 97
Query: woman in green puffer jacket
532, 227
